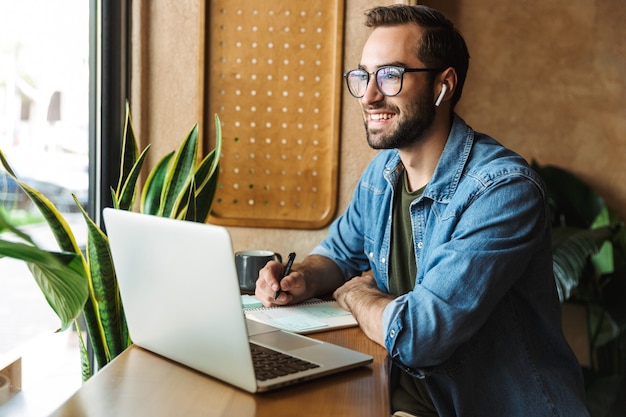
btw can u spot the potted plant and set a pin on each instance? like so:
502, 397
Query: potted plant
589, 260
76, 282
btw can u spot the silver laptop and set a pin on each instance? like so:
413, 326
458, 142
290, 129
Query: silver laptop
181, 297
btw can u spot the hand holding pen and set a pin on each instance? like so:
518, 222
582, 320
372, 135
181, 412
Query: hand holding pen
286, 271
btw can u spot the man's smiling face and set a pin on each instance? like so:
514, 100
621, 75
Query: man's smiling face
398, 121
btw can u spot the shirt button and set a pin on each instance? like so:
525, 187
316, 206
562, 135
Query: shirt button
392, 333
382, 260
420, 245
371, 254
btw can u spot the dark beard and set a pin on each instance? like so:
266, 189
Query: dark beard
410, 130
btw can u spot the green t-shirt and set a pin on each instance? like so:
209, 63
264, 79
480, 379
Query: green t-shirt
410, 394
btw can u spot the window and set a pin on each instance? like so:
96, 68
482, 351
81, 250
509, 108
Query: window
54, 59
44, 133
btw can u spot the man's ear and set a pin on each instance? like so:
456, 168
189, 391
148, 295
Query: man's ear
444, 88
448, 81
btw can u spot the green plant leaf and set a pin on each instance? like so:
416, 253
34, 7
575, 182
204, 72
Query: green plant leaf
602, 328
105, 296
85, 363
178, 177
72, 282
150, 202
187, 207
7, 227
201, 197
59, 227
208, 175
130, 149
572, 201
125, 198
64, 285
619, 238
5, 164
197, 205
208, 183
60, 276
603, 260
571, 250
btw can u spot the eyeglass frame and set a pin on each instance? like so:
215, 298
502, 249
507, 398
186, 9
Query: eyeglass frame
375, 74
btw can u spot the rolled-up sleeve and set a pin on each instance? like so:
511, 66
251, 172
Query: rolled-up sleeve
473, 260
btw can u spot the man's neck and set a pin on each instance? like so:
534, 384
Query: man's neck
420, 160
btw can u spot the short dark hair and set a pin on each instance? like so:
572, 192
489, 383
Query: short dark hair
441, 45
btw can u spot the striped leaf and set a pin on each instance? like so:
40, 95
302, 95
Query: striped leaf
72, 282
6, 227
187, 207
130, 149
59, 227
151, 195
209, 181
208, 175
125, 197
179, 175
105, 291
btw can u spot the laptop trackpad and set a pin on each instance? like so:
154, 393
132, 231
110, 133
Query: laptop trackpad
283, 341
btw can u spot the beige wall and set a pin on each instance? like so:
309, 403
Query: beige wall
546, 79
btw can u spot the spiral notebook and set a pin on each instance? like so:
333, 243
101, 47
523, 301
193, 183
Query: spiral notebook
311, 316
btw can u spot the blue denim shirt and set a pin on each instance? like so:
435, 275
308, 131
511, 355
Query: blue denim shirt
482, 325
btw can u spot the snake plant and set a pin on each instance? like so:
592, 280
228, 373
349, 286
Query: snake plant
75, 282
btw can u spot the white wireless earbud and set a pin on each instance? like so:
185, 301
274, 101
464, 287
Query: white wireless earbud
444, 88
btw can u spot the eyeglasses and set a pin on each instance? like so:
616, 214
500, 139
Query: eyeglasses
388, 79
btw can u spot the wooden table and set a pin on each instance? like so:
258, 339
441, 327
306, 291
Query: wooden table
140, 383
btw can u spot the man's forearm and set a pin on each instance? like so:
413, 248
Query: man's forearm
366, 302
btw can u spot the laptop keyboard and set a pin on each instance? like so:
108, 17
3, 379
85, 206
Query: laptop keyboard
269, 364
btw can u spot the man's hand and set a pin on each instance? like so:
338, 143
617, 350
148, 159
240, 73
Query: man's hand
366, 302
293, 286
314, 276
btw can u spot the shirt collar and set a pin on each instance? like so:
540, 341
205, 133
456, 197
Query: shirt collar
449, 169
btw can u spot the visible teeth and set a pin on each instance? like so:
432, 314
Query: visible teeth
381, 116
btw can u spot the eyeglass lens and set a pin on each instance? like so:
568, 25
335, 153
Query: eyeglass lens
388, 81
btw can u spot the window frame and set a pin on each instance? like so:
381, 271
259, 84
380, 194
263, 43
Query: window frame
110, 68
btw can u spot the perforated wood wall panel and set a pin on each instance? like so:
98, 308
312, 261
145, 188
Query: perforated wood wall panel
274, 79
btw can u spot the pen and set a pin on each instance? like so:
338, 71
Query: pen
286, 271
